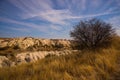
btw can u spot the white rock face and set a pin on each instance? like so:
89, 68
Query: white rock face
29, 42
64, 43
34, 56
3, 44
28, 57
4, 61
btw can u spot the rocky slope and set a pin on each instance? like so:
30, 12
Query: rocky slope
14, 51
27, 57
29, 43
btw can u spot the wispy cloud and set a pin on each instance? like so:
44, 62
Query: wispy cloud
60, 16
45, 11
55, 15
20, 29
92, 15
115, 21
42, 28
29, 25
32, 5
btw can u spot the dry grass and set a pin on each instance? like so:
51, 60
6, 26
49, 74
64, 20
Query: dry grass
101, 65
85, 65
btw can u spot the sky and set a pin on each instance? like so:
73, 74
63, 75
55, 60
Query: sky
53, 18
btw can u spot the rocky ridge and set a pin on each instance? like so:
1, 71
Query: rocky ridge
33, 43
15, 51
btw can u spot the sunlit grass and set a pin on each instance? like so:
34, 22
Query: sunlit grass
77, 66
83, 65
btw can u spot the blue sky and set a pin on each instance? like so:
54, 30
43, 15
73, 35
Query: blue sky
53, 18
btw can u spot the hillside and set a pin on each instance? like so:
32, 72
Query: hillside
61, 63
29, 43
14, 51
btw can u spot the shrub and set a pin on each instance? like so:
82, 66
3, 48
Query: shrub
93, 34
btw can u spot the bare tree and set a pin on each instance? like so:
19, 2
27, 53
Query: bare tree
93, 34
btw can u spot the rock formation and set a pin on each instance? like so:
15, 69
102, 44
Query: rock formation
15, 51
27, 57
29, 43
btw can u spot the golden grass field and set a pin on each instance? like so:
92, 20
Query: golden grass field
83, 65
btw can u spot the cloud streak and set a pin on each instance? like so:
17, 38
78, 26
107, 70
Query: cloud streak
45, 11
29, 25
55, 15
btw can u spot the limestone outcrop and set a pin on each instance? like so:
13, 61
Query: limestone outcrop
27, 57
34, 43
15, 51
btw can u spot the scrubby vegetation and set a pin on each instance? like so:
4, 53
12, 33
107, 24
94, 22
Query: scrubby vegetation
93, 34
83, 65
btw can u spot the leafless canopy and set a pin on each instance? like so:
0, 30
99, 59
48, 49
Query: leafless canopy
93, 34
